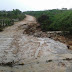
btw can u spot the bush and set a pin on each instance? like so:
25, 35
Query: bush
53, 20
44, 22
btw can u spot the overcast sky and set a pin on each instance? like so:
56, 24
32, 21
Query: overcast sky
27, 5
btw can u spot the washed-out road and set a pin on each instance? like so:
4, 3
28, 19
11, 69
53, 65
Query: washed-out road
32, 54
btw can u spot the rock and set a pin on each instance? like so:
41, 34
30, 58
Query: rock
37, 62
48, 61
37, 34
68, 46
71, 47
21, 64
24, 26
7, 64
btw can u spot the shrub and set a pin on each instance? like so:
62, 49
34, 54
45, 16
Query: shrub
44, 22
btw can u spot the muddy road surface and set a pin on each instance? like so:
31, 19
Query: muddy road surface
23, 53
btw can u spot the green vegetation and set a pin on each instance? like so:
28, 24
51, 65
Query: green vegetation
54, 20
50, 20
14, 14
44, 22
63, 21
5, 22
7, 18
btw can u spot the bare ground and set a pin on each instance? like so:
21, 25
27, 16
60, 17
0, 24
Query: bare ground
32, 54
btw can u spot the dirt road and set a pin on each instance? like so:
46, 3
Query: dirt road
32, 54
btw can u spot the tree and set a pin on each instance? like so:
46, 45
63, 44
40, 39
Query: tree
16, 11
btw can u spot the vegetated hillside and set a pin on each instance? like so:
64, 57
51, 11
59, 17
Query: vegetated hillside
62, 21
7, 18
52, 20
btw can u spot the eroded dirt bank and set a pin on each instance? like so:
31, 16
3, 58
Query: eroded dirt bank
25, 53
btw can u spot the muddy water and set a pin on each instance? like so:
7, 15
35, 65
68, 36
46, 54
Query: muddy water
32, 54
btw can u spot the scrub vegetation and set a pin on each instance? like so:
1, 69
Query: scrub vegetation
7, 18
54, 20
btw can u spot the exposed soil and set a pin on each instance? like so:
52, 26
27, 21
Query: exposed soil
22, 52
35, 30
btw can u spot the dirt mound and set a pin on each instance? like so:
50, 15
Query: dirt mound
32, 28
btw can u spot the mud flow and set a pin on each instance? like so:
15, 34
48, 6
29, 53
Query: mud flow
24, 50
